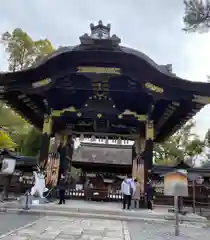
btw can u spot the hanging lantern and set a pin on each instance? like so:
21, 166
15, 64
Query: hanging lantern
200, 180
119, 141
81, 138
93, 138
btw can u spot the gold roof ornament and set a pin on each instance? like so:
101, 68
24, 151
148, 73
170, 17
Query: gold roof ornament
41, 83
201, 99
57, 113
100, 34
153, 87
139, 117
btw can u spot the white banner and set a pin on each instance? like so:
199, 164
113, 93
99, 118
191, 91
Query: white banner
8, 165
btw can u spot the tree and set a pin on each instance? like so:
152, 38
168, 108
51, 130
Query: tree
14, 125
32, 142
42, 48
5, 141
184, 144
22, 50
197, 15
207, 150
207, 138
193, 149
167, 153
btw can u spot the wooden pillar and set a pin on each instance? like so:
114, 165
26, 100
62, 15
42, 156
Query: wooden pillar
138, 162
66, 151
136, 151
148, 151
62, 152
69, 151
45, 141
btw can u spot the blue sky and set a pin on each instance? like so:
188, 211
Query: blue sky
151, 26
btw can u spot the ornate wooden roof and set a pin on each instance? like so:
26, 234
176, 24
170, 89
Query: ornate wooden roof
103, 153
103, 87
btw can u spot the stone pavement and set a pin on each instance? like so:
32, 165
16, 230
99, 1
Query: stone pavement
13, 220
61, 228
158, 231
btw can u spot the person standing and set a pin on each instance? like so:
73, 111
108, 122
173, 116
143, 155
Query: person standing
62, 188
149, 195
128, 189
137, 194
87, 190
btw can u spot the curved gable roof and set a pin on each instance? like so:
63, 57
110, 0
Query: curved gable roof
168, 78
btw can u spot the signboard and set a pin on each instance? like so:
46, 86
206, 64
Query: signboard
99, 70
176, 183
8, 165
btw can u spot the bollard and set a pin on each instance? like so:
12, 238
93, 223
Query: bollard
26, 207
176, 210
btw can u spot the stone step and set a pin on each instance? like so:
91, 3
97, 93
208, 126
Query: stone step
142, 214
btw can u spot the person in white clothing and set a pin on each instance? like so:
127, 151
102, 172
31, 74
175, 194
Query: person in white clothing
128, 188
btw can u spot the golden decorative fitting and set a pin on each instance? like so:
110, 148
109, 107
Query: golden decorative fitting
99, 115
153, 87
57, 113
99, 70
139, 117
201, 99
47, 124
149, 130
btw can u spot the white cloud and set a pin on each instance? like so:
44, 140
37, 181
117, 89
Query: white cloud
151, 26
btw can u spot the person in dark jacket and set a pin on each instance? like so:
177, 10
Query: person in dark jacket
149, 195
62, 188
86, 190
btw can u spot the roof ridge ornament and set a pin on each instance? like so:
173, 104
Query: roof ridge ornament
100, 36
100, 31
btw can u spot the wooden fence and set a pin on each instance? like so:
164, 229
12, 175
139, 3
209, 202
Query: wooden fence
95, 194
202, 196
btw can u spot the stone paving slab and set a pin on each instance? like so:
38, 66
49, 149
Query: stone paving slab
61, 228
